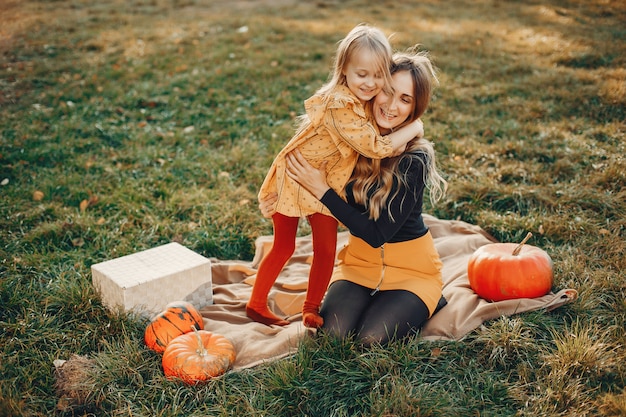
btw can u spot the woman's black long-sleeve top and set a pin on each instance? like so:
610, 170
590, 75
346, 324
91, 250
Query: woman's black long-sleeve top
406, 208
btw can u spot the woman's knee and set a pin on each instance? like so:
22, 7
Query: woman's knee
335, 327
393, 315
342, 307
378, 334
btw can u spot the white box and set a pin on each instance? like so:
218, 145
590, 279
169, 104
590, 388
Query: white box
147, 281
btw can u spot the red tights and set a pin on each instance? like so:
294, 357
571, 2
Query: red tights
324, 231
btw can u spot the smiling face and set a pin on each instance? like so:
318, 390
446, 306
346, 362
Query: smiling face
391, 110
363, 76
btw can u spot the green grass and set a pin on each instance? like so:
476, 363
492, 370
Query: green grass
164, 117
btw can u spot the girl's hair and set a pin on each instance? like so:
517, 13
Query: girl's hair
360, 37
374, 178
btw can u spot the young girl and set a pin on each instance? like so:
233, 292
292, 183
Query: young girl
337, 128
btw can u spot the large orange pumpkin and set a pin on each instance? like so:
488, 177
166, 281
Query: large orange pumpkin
504, 271
179, 317
198, 356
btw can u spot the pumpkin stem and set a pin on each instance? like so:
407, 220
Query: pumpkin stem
201, 350
518, 248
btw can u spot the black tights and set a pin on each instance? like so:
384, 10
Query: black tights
350, 309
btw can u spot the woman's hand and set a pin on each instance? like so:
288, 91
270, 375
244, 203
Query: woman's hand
312, 179
267, 205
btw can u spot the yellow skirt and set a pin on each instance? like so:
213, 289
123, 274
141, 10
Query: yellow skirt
413, 266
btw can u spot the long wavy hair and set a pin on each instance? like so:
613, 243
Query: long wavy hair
374, 178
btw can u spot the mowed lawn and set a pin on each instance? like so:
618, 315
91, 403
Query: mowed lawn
125, 125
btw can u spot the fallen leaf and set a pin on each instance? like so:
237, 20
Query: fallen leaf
83, 205
101, 221
38, 195
93, 200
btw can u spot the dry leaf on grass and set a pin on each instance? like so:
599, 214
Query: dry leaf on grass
92, 201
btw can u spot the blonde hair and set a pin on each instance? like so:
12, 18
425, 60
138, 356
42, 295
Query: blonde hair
360, 37
374, 178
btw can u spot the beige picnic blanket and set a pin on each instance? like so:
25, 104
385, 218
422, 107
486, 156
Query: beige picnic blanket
256, 343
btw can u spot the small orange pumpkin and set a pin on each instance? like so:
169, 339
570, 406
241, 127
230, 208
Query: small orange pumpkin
504, 271
198, 356
179, 317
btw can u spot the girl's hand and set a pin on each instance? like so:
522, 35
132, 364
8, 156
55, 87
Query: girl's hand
268, 205
418, 125
413, 130
399, 151
312, 179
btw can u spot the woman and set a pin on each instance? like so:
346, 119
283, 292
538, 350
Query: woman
389, 281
